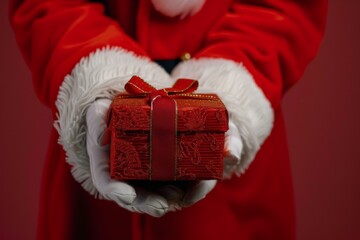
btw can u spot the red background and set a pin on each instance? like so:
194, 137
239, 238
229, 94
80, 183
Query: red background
322, 115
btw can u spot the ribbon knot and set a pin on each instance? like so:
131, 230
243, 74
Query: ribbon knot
157, 93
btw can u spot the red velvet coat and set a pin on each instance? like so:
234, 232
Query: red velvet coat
274, 39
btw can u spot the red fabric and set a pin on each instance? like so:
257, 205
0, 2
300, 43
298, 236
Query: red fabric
275, 39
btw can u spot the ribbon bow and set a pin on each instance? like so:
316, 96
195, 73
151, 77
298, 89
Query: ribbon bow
138, 86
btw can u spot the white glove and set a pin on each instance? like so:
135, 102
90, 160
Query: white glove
233, 148
155, 202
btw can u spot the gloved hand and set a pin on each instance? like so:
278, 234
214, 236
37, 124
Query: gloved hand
136, 200
155, 202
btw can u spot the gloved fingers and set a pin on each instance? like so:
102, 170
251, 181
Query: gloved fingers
173, 195
233, 145
96, 119
100, 174
120, 192
99, 163
150, 203
98, 155
117, 191
197, 192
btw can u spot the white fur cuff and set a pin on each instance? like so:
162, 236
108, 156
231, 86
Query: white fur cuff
102, 74
248, 107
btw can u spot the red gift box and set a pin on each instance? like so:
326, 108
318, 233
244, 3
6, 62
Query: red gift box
167, 134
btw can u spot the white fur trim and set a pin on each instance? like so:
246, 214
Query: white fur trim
182, 8
247, 105
102, 74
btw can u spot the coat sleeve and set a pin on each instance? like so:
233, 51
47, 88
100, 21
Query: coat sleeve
77, 54
54, 35
252, 55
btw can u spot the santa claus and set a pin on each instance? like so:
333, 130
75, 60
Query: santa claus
249, 52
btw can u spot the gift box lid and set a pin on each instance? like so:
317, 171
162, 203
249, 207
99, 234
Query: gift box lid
195, 112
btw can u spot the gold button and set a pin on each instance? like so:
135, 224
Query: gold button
185, 56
